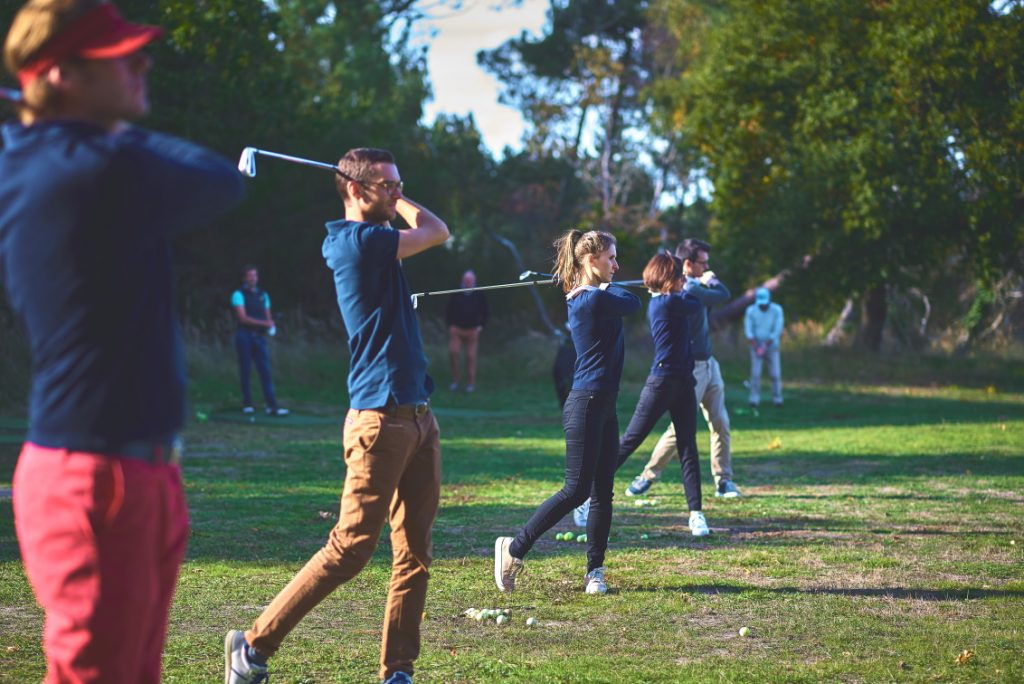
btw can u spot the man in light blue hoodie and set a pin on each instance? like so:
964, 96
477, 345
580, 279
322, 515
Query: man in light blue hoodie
762, 324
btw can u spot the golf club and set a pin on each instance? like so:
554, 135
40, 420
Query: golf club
534, 274
504, 286
10, 95
247, 162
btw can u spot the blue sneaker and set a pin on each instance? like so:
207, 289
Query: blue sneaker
727, 490
639, 486
399, 678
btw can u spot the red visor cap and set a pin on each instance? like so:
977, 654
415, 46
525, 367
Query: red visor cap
101, 33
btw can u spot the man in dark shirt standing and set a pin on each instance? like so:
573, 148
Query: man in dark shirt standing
391, 439
255, 322
466, 316
88, 206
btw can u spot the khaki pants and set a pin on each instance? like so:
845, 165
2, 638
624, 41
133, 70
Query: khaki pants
394, 476
710, 391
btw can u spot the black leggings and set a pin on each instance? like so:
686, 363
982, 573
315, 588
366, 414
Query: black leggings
591, 441
675, 395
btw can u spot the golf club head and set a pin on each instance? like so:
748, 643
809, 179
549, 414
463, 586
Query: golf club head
10, 95
525, 274
247, 162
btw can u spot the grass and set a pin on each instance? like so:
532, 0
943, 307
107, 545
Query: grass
881, 535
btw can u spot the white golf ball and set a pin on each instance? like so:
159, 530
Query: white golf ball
531, 622
744, 631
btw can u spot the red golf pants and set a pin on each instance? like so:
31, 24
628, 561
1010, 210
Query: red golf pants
101, 540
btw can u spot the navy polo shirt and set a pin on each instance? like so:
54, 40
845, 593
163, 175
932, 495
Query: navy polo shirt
387, 359
595, 321
86, 219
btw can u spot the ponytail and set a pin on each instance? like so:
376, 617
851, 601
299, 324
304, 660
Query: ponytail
571, 248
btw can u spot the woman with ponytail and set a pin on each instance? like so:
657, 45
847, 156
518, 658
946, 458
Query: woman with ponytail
584, 265
670, 384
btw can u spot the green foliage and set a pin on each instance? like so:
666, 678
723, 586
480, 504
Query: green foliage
879, 138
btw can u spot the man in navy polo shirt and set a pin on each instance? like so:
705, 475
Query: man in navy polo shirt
391, 439
88, 206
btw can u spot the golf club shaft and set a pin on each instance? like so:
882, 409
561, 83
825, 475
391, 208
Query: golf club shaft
484, 287
298, 160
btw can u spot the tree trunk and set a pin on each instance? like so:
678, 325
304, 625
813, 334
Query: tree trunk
838, 331
873, 312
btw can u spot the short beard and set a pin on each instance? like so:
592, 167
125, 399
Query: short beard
381, 215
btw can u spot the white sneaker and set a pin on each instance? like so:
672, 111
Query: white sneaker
593, 582
278, 412
698, 525
581, 513
506, 568
248, 410
238, 669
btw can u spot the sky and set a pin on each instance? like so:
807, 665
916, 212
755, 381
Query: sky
460, 85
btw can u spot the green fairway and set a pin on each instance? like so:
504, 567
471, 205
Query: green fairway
881, 534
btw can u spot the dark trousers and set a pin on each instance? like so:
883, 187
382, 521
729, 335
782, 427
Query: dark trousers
252, 348
591, 443
675, 395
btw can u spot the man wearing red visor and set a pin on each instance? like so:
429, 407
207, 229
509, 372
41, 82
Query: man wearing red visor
88, 205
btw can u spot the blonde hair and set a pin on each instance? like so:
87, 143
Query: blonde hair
36, 24
571, 248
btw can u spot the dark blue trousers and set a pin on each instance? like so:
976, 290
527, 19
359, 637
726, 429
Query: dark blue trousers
252, 348
591, 445
675, 395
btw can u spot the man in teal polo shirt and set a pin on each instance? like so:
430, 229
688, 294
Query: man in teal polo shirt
252, 312
391, 440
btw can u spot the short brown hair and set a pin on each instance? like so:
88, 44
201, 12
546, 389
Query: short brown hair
662, 271
356, 165
36, 24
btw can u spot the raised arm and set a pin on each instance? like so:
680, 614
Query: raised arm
186, 185
425, 229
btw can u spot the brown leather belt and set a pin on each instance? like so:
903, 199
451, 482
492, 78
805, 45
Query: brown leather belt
410, 411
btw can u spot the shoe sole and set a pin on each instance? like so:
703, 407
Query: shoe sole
229, 646
497, 565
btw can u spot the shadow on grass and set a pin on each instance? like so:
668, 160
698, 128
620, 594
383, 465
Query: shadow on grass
914, 593
823, 468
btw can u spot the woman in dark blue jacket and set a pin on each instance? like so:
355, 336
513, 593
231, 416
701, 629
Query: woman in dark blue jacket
585, 266
670, 384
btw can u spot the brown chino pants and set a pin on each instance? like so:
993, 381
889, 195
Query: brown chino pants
394, 475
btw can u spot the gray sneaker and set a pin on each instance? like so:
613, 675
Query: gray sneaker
593, 582
727, 490
238, 669
506, 568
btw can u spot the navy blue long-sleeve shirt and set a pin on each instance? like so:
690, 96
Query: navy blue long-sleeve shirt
712, 294
668, 315
86, 219
595, 321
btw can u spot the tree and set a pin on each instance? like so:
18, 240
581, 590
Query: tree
882, 138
